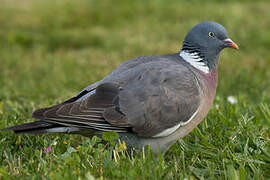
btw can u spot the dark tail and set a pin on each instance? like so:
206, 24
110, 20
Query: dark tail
46, 126
40, 127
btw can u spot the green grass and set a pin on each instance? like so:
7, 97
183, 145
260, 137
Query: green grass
50, 50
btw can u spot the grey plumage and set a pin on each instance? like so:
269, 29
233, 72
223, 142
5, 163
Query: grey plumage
148, 100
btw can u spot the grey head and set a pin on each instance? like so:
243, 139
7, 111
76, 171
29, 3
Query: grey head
207, 39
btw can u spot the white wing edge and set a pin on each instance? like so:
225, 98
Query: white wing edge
171, 130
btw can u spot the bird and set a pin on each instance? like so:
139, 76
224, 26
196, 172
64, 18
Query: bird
148, 100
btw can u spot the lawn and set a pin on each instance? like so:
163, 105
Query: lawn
50, 50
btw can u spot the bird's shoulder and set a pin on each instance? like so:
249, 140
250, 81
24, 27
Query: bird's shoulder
157, 66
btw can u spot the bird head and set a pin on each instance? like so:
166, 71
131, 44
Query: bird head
207, 39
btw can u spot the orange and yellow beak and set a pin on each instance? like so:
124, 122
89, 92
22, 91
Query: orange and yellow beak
231, 44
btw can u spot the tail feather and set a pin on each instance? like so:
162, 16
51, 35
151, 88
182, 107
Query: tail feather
40, 127
28, 126
49, 130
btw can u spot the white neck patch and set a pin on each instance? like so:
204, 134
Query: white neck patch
194, 60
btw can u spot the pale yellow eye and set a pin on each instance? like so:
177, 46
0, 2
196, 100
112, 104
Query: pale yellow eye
211, 34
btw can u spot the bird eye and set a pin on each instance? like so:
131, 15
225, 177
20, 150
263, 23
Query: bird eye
211, 34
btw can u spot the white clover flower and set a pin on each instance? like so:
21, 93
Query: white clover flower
54, 143
232, 99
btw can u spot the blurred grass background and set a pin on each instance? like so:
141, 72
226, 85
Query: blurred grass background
50, 50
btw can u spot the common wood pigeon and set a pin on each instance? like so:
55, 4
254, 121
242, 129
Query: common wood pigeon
148, 100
